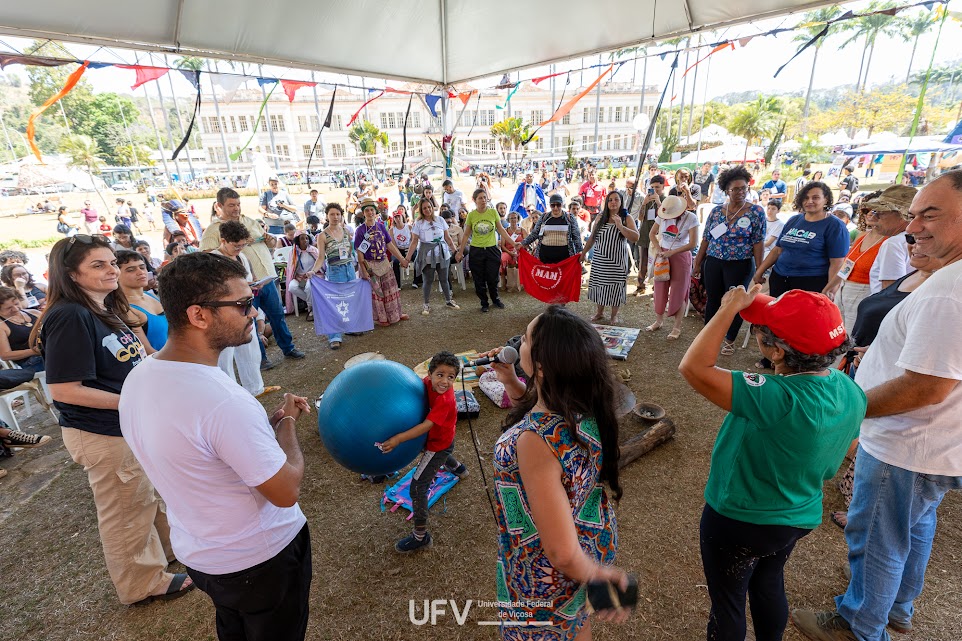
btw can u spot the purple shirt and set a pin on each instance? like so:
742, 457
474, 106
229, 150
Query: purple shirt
377, 237
90, 214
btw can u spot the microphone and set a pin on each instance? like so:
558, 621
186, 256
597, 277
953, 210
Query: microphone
508, 355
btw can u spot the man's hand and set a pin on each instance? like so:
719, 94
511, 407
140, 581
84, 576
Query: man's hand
293, 406
738, 299
390, 444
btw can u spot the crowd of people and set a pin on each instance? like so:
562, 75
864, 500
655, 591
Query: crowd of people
847, 372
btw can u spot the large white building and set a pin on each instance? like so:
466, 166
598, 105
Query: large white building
288, 130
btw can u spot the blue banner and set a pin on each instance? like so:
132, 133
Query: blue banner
341, 307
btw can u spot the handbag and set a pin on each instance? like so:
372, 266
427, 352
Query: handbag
62, 227
513, 279
661, 269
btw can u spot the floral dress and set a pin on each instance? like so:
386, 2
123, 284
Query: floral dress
529, 588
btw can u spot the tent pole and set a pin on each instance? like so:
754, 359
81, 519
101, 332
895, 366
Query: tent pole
267, 121
320, 122
597, 111
223, 137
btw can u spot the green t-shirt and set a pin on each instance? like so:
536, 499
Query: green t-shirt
784, 437
483, 227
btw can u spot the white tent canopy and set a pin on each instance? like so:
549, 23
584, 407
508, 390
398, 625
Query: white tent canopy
433, 41
904, 144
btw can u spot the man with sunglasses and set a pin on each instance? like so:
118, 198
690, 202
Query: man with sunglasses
229, 473
258, 253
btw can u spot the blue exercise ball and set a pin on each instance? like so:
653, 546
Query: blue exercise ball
367, 404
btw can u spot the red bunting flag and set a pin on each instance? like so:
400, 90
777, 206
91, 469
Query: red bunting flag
291, 86
550, 282
539, 79
145, 74
718, 48
358, 112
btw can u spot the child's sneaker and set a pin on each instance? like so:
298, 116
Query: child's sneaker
460, 471
411, 544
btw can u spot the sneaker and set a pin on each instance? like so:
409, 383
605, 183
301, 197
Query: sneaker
822, 626
498, 304
2, 473
426, 311
902, 627
414, 286
411, 544
460, 471
266, 365
484, 309
452, 305
17, 438
295, 353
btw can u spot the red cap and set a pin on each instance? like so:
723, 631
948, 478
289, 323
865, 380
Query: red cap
806, 321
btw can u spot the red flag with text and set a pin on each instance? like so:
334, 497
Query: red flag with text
550, 282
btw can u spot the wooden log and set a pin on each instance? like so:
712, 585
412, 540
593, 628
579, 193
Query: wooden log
647, 440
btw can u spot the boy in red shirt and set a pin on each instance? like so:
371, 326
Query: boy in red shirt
439, 426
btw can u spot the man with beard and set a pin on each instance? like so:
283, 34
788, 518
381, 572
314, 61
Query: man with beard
229, 473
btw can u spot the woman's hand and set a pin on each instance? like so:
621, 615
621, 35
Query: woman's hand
615, 576
759, 278
738, 299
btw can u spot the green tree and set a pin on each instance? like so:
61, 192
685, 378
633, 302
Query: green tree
137, 155
756, 120
108, 123
366, 136
510, 133
84, 152
189, 62
911, 28
870, 27
44, 82
816, 22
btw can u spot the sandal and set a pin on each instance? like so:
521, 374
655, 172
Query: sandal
840, 519
270, 389
405, 317
727, 348
179, 586
597, 317
335, 345
674, 334
654, 327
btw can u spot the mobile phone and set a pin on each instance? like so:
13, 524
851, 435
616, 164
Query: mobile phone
651, 190
603, 595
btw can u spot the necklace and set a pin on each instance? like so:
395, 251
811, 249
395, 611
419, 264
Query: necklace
730, 217
26, 323
816, 373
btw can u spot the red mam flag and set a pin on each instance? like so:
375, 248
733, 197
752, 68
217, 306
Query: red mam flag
550, 282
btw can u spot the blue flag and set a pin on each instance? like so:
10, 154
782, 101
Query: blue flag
341, 307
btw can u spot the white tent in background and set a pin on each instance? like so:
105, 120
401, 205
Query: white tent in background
790, 145
711, 134
882, 137
835, 139
260, 172
726, 153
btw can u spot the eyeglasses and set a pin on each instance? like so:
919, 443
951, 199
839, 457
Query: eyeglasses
244, 304
738, 190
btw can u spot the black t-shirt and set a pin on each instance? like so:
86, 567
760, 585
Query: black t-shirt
873, 309
704, 182
693, 188
77, 346
850, 183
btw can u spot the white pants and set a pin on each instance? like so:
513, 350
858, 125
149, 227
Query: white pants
248, 360
301, 291
848, 299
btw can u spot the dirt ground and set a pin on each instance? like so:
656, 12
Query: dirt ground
56, 586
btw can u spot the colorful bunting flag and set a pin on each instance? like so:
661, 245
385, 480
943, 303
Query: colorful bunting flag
145, 74
230, 83
358, 112
568, 106
193, 77
260, 114
291, 86
72, 81
31, 61
432, 102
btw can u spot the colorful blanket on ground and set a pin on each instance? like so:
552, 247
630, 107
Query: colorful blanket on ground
618, 340
400, 493
469, 373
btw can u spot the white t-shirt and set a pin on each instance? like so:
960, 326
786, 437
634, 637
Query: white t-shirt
919, 335
402, 236
891, 263
428, 232
454, 200
674, 233
773, 229
205, 453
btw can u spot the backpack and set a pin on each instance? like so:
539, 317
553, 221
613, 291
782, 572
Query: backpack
854, 184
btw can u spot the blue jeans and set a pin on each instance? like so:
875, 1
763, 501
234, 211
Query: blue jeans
339, 274
891, 524
275, 230
269, 300
32, 364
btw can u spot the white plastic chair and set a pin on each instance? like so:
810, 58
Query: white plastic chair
459, 274
23, 391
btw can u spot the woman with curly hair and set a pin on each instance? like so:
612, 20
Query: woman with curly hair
812, 246
733, 240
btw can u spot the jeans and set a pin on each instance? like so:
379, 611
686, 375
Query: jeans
33, 364
718, 276
339, 274
891, 525
427, 469
276, 230
269, 300
428, 284
269, 601
742, 559
485, 269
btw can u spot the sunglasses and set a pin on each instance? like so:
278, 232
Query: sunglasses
86, 239
554, 205
244, 304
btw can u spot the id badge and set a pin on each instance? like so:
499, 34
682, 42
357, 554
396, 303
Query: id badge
32, 302
364, 246
718, 230
846, 269
345, 252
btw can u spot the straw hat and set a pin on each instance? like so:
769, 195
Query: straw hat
895, 198
671, 208
367, 201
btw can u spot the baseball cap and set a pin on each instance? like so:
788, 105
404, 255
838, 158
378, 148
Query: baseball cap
806, 321
272, 179
556, 199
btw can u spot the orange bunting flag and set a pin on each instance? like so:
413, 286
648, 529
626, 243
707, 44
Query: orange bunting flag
72, 81
718, 48
465, 96
291, 87
568, 106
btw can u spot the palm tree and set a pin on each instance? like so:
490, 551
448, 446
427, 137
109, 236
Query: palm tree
755, 120
815, 20
189, 62
84, 152
911, 28
870, 27
510, 134
366, 136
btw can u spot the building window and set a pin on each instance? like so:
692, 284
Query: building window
243, 123
337, 123
339, 150
263, 124
284, 152
308, 123
306, 150
537, 117
277, 122
619, 114
567, 119
590, 115
215, 127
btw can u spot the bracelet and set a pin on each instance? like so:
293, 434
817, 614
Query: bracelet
282, 418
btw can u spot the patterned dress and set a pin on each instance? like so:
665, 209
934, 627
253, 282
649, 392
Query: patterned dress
609, 268
527, 583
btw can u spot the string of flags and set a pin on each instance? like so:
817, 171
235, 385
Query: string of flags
230, 83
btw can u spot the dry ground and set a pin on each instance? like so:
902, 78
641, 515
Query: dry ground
55, 585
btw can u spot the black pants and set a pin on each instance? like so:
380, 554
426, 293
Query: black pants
485, 269
268, 602
719, 276
745, 559
424, 474
778, 284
